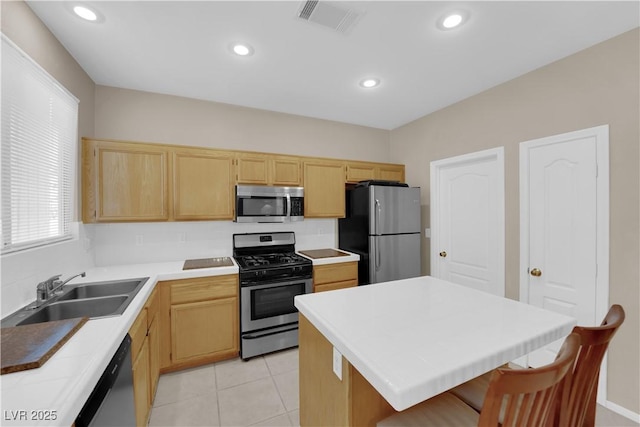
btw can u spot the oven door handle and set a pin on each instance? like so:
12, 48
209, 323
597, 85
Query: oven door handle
256, 335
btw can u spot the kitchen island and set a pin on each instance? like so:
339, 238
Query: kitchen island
398, 343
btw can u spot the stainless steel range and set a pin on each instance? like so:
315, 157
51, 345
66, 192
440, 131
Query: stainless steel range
271, 275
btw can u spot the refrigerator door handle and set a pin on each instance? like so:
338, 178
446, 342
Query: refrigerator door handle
377, 216
377, 257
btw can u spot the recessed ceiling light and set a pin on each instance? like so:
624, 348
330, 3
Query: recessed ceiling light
242, 49
85, 13
369, 83
452, 20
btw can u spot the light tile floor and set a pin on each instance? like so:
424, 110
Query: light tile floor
260, 392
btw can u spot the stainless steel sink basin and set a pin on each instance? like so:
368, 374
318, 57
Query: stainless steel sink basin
92, 307
103, 289
93, 300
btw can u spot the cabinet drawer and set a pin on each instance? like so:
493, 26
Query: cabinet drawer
335, 285
138, 332
204, 288
339, 272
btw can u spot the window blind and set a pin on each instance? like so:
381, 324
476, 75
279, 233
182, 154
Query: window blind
38, 153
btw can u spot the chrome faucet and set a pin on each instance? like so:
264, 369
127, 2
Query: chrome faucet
47, 289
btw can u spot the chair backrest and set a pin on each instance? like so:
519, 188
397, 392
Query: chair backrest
578, 404
524, 397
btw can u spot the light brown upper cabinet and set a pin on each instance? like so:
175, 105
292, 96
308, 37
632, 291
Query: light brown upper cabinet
324, 189
390, 172
266, 169
131, 181
286, 171
124, 182
202, 185
362, 171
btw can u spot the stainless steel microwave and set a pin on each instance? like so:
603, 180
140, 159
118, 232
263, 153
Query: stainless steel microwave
255, 203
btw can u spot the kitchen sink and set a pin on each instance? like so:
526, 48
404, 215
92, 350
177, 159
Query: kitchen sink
93, 300
104, 289
91, 307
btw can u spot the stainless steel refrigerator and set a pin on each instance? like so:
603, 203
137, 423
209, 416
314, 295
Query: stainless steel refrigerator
382, 225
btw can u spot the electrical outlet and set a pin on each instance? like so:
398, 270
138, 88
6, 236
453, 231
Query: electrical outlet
182, 237
139, 240
337, 363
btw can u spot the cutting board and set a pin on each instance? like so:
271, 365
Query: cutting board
30, 346
323, 253
207, 263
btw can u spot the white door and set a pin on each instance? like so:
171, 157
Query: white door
560, 227
467, 220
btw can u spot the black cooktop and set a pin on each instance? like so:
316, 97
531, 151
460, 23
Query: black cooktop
248, 262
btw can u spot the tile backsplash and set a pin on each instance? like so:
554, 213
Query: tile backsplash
138, 243
133, 243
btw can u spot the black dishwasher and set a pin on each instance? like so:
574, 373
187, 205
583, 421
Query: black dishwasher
111, 402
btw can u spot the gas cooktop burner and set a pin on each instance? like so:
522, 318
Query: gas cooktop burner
270, 260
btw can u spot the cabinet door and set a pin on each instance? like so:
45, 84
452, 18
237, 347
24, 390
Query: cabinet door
390, 173
204, 329
286, 172
323, 190
203, 187
140, 371
154, 358
360, 172
252, 170
131, 183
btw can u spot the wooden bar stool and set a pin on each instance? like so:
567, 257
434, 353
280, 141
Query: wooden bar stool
576, 407
518, 398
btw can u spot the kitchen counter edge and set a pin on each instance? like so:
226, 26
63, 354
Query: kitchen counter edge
59, 388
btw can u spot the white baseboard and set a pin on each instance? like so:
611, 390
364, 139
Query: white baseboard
622, 411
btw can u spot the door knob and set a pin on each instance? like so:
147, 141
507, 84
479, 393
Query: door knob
443, 254
536, 272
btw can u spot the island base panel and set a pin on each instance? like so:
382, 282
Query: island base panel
324, 399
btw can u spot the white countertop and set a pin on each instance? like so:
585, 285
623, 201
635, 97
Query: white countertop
415, 338
64, 383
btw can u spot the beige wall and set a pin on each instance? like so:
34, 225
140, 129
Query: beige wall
21, 271
143, 116
597, 86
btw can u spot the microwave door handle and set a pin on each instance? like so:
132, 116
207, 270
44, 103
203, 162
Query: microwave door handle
288, 207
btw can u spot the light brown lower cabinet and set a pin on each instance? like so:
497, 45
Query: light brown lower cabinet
140, 367
329, 277
141, 384
199, 321
154, 358
145, 352
203, 329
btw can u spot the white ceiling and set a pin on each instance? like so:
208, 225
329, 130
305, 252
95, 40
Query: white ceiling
182, 48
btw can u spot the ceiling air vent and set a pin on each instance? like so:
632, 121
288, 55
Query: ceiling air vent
329, 15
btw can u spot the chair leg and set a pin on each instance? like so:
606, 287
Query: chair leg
590, 415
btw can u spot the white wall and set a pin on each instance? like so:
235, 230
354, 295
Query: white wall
22, 271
